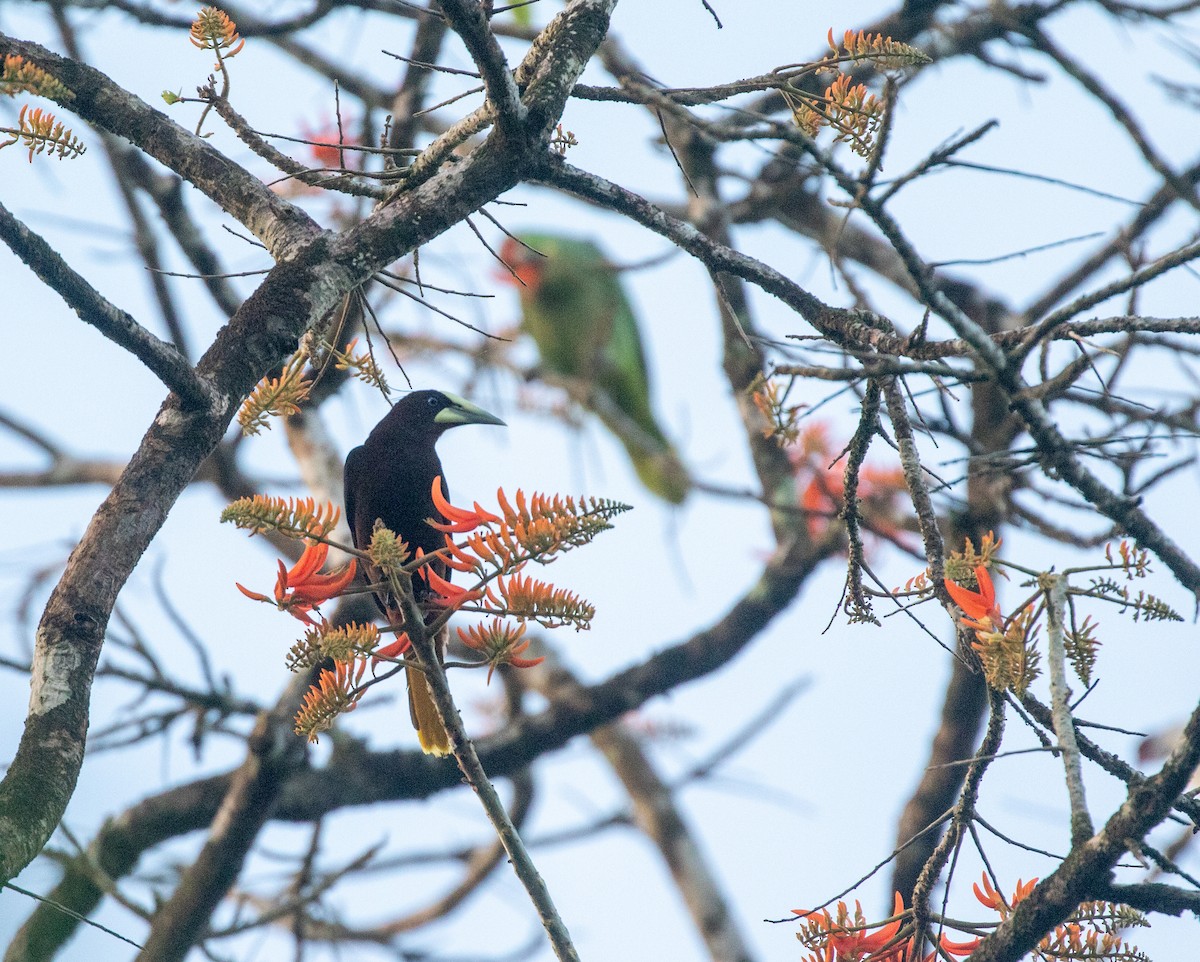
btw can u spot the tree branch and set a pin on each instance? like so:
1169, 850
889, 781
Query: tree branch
1085, 872
274, 753
469, 22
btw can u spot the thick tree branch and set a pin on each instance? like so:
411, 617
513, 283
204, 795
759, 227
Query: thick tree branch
469, 22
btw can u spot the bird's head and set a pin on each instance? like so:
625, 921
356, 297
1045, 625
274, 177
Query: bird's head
528, 265
429, 414
432, 412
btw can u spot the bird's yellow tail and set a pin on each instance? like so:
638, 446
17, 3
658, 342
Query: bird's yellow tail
432, 734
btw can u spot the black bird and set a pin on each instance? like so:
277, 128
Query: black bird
389, 478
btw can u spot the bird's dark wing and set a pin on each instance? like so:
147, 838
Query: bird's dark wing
351, 479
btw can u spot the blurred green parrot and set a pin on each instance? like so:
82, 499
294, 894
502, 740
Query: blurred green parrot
578, 314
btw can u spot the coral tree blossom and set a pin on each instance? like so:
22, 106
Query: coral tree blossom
846, 939
300, 589
980, 606
458, 520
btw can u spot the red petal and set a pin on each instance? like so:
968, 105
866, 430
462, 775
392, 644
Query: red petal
469, 639
309, 564
281, 583
987, 590
393, 650
972, 603
458, 559
504, 505
300, 612
486, 516
318, 588
251, 594
447, 510
456, 527
959, 948
440, 584
449, 592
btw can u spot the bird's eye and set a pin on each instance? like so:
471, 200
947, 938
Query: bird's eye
432, 402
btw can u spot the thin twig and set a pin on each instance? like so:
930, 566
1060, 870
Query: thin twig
1055, 587
468, 761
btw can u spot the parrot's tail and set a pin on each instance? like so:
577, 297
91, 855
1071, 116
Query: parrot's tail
662, 472
655, 460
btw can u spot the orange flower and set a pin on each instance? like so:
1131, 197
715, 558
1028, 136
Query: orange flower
821, 501
846, 939
460, 560
961, 949
989, 897
299, 590
448, 595
395, 649
992, 899
458, 520
501, 644
823, 497
980, 606
325, 146
859, 945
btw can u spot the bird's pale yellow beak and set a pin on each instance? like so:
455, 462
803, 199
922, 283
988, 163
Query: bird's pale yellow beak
462, 411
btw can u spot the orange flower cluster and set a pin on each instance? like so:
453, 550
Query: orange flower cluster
848, 108
1092, 932
534, 530
279, 397
213, 30
291, 517
300, 590
17, 75
1005, 648
335, 693
501, 643
41, 131
540, 601
883, 52
846, 938
340, 642
537, 528
783, 420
